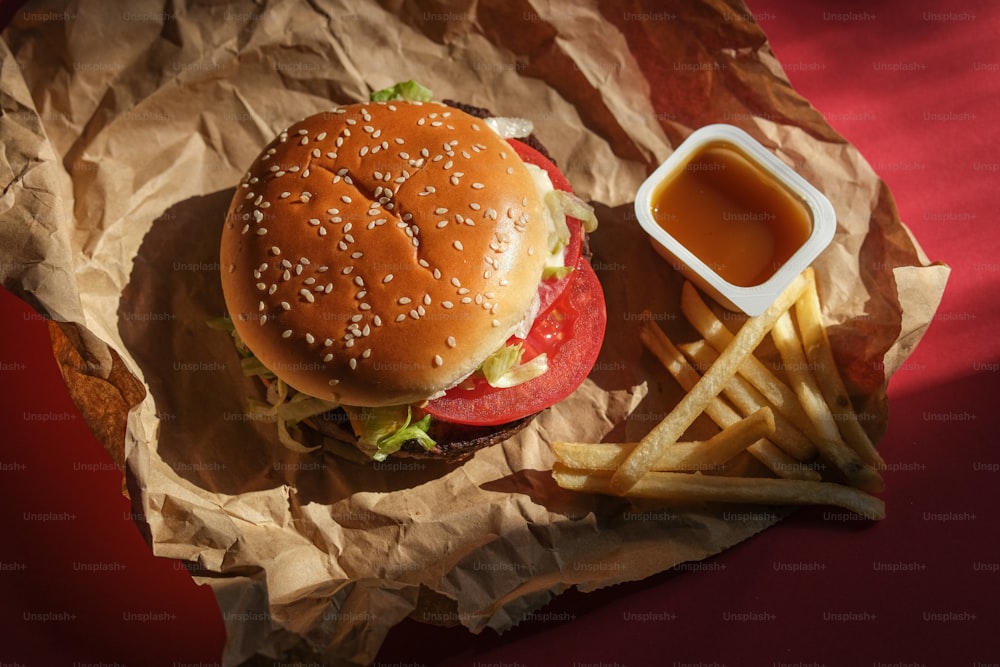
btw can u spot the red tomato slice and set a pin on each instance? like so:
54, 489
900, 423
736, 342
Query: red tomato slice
570, 334
550, 288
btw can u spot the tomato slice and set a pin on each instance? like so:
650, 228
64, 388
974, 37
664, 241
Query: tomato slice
570, 334
550, 288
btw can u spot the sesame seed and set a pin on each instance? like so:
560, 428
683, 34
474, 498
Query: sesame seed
451, 341
403, 300
447, 304
328, 342
353, 363
286, 305
310, 339
307, 294
458, 245
387, 278
438, 360
287, 333
327, 359
345, 199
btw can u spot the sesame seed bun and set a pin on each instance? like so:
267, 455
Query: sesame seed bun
376, 253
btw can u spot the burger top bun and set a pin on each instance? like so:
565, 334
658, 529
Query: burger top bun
376, 253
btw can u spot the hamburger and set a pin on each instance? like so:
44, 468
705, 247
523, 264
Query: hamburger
407, 278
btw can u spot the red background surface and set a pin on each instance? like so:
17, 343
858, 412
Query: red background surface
915, 87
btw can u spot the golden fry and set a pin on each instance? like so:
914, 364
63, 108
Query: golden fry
816, 344
830, 444
748, 399
779, 395
696, 488
717, 409
706, 455
694, 402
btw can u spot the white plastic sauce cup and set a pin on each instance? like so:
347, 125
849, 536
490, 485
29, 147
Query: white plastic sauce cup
751, 299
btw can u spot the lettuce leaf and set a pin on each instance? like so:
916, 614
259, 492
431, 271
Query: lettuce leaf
404, 90
384, 430
504, 369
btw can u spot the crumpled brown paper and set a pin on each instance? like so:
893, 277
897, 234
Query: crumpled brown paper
125, 131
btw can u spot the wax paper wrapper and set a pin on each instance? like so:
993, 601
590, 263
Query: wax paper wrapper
125, 130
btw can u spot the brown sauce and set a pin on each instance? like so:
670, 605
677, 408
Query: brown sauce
732, 215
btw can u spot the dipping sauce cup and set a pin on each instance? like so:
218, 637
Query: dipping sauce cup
733, 218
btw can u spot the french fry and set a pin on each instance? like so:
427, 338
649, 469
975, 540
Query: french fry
779, 395
717, 410
748, 399
816, 344
830, 444
706, 455
780, 462
696, 488
694, 402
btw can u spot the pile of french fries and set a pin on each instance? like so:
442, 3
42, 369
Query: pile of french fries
801, 427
